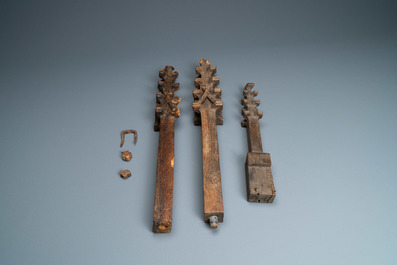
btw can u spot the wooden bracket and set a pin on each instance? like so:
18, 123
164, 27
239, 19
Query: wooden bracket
207, 107
260, 186
165, 114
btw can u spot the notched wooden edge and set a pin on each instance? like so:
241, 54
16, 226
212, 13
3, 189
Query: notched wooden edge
206, 84
166, 102
250, 104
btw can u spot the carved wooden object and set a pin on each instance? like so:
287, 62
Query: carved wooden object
165, 114
207, 108
260, 187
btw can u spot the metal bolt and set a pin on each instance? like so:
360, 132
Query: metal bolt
214, 222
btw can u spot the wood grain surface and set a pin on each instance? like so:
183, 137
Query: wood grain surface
260, 186
165, 114
207, 107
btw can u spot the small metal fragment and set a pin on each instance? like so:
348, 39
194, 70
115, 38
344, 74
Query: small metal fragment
214, 221
125, 173
127, 132
126, 155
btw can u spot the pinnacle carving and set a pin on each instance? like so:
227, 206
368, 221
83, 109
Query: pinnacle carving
207, 95
250, 109
166, 102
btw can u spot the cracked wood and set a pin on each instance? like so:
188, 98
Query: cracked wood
165, 114
207, 108
260, 186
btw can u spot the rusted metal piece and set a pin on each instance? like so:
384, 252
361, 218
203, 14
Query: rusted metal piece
165, 114
125, 173
123, 133
214, 222
207, 107
126, 155
260, 186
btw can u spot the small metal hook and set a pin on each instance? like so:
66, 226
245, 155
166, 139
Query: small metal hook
127, 132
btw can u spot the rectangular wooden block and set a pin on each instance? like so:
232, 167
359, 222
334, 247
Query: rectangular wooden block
260, 186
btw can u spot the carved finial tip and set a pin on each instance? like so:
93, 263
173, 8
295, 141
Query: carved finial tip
204, 62
166, 101
249, 86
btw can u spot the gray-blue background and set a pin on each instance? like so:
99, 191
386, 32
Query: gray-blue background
76, 73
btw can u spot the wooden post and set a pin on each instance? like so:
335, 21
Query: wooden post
260, 186
207, 107
166, 113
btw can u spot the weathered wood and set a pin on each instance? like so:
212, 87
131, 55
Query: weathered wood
207, 107
166, 112
260, 186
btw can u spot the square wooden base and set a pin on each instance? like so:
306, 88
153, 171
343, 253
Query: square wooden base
260, 186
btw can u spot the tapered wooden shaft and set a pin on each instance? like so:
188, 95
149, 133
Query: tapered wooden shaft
254, 135
162, 218
212, 186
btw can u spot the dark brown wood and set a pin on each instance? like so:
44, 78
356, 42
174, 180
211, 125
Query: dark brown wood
165, 114
207, 107
260, 186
